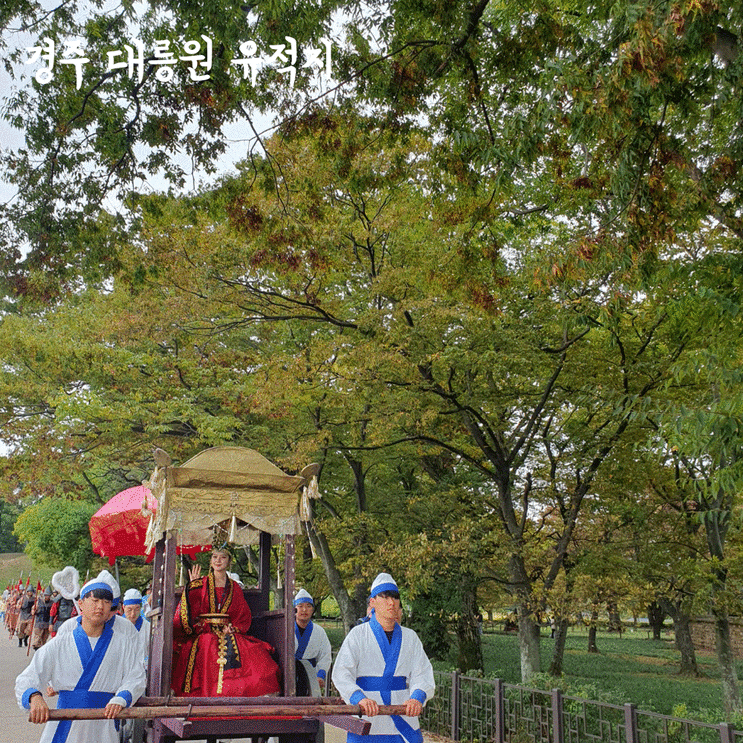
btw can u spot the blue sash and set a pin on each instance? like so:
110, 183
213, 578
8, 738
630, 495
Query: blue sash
303, 639
83, 699
91, 660
138, 623
381, 684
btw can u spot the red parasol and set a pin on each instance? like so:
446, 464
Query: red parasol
118, 527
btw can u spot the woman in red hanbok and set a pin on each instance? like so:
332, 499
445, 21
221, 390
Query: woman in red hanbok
248, 670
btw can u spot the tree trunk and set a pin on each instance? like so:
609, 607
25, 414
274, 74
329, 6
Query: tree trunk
592, 646
359, 482
726, 659
469, 646
715, 526
528, 627
656, 616
682, 635
352, 607
561, 618
558, 652
615, 621
349, 608
528, 642
685, 645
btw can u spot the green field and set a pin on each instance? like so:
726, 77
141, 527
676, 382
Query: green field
633, 668
11, 566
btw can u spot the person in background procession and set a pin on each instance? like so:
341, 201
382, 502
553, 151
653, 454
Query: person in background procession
65, 589
42, 612
25, 616
53, 611
65, 609
11, 612
133, 730
146, 597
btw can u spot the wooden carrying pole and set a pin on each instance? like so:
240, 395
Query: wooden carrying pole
187, 711
173, 701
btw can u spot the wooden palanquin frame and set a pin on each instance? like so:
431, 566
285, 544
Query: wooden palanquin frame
276, 626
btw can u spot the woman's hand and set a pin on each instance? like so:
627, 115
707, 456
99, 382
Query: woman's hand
194, 572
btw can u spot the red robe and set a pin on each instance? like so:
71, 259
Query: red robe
250, 670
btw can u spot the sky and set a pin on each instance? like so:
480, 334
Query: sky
240, 139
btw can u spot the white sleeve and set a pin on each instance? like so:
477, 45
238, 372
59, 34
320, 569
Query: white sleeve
344, 669
135, 679
30, 679
325, 656
421, 674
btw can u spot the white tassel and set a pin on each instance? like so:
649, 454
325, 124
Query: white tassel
310, 491
309, 539
314, 488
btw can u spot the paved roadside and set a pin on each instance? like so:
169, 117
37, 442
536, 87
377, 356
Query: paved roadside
14, 724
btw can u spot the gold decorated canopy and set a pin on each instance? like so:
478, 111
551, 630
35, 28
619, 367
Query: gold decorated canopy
230, 489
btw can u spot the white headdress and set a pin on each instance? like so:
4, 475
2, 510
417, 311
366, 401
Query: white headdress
132, 596
303, 597
106, 577
67, 582
383, 582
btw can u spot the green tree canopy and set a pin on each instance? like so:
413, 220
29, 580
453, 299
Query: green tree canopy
55, 533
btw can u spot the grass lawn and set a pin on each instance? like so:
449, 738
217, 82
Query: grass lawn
11, 566
633, 668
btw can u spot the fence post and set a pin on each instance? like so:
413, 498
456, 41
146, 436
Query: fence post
630, 723
455, 705
557, 717
500, 713
727, 733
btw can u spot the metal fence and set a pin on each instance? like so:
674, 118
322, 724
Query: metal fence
474, 709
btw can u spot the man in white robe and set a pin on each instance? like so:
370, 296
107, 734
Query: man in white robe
311, 645
381, 662
92, 666
132, 603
